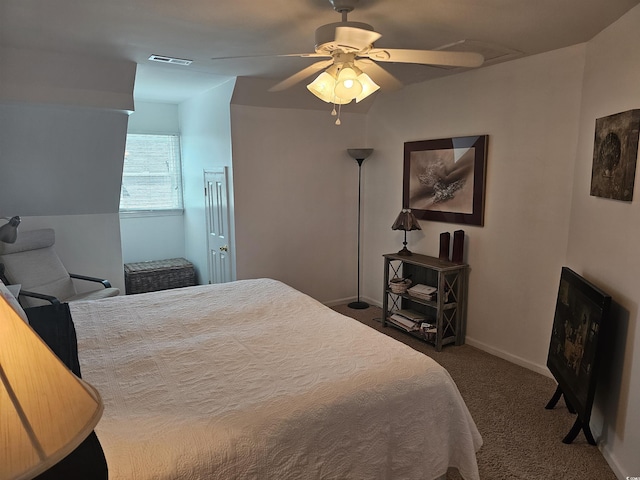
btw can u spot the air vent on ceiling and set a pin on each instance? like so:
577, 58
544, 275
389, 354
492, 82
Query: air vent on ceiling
174, 61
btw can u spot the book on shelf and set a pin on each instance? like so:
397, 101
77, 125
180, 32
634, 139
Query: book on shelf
425, 292
403, 322
410, 314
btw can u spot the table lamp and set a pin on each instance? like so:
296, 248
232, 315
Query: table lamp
45, 410
406, 221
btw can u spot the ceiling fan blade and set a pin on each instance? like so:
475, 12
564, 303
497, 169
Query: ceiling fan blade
240, 56
305, 55
301, 75
273, 55
357, 38
426, 57
379, 75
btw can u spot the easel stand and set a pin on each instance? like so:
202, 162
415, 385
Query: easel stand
579, 423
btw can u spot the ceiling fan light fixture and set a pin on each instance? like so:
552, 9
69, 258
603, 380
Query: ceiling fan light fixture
323, 87
368, 86
348, 86
351, 47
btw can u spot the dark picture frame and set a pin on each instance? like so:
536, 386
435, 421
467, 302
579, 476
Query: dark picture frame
615, 154
577, 343
444, 179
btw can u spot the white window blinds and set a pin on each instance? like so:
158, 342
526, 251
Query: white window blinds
151, 177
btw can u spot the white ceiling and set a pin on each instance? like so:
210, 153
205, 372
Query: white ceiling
201, 30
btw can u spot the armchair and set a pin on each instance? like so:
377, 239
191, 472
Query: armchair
32, 262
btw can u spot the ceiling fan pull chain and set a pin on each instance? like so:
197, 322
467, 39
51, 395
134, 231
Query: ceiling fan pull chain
338, 122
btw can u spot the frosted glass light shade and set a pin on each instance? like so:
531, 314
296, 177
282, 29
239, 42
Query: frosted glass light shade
323, 88
45, 410
347, 84
341, 86
368, 86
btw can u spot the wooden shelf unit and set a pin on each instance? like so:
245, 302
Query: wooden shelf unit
447, 311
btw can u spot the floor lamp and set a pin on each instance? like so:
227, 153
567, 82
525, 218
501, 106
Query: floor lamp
359, 155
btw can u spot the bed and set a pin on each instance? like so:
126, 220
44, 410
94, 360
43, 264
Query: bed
255, 380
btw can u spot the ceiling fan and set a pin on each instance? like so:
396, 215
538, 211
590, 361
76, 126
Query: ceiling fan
351, 61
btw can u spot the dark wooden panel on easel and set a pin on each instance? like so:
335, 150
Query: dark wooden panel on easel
576, 347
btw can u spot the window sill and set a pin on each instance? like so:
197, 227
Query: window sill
151, 213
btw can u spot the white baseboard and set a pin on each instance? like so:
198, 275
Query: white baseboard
541, 369
615, 467
333, 303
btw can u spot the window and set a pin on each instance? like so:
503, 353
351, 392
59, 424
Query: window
151, 177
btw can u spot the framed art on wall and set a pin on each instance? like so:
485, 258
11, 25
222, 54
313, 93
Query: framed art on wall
615, 152
444, 179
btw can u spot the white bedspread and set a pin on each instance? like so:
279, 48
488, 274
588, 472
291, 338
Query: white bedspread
255, 380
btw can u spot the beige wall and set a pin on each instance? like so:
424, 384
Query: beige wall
63, 120
205, 127
296, 192
529, 109
539, 113
50, 78
603, 237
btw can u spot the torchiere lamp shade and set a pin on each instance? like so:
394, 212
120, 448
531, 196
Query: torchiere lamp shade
359, 154
45, 410
405, 221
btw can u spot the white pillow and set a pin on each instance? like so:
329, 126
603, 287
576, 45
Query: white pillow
12, 301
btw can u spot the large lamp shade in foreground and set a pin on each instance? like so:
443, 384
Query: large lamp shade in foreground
45, 410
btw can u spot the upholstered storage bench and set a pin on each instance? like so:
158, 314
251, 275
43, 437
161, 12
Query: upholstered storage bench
140, 277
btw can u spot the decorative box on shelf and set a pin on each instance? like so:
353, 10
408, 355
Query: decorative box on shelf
141, 277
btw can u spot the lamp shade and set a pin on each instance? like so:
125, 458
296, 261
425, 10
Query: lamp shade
368, 86
359, 153
406, 221
341, 86
9, 231
348, 86
45, 410
323, 87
